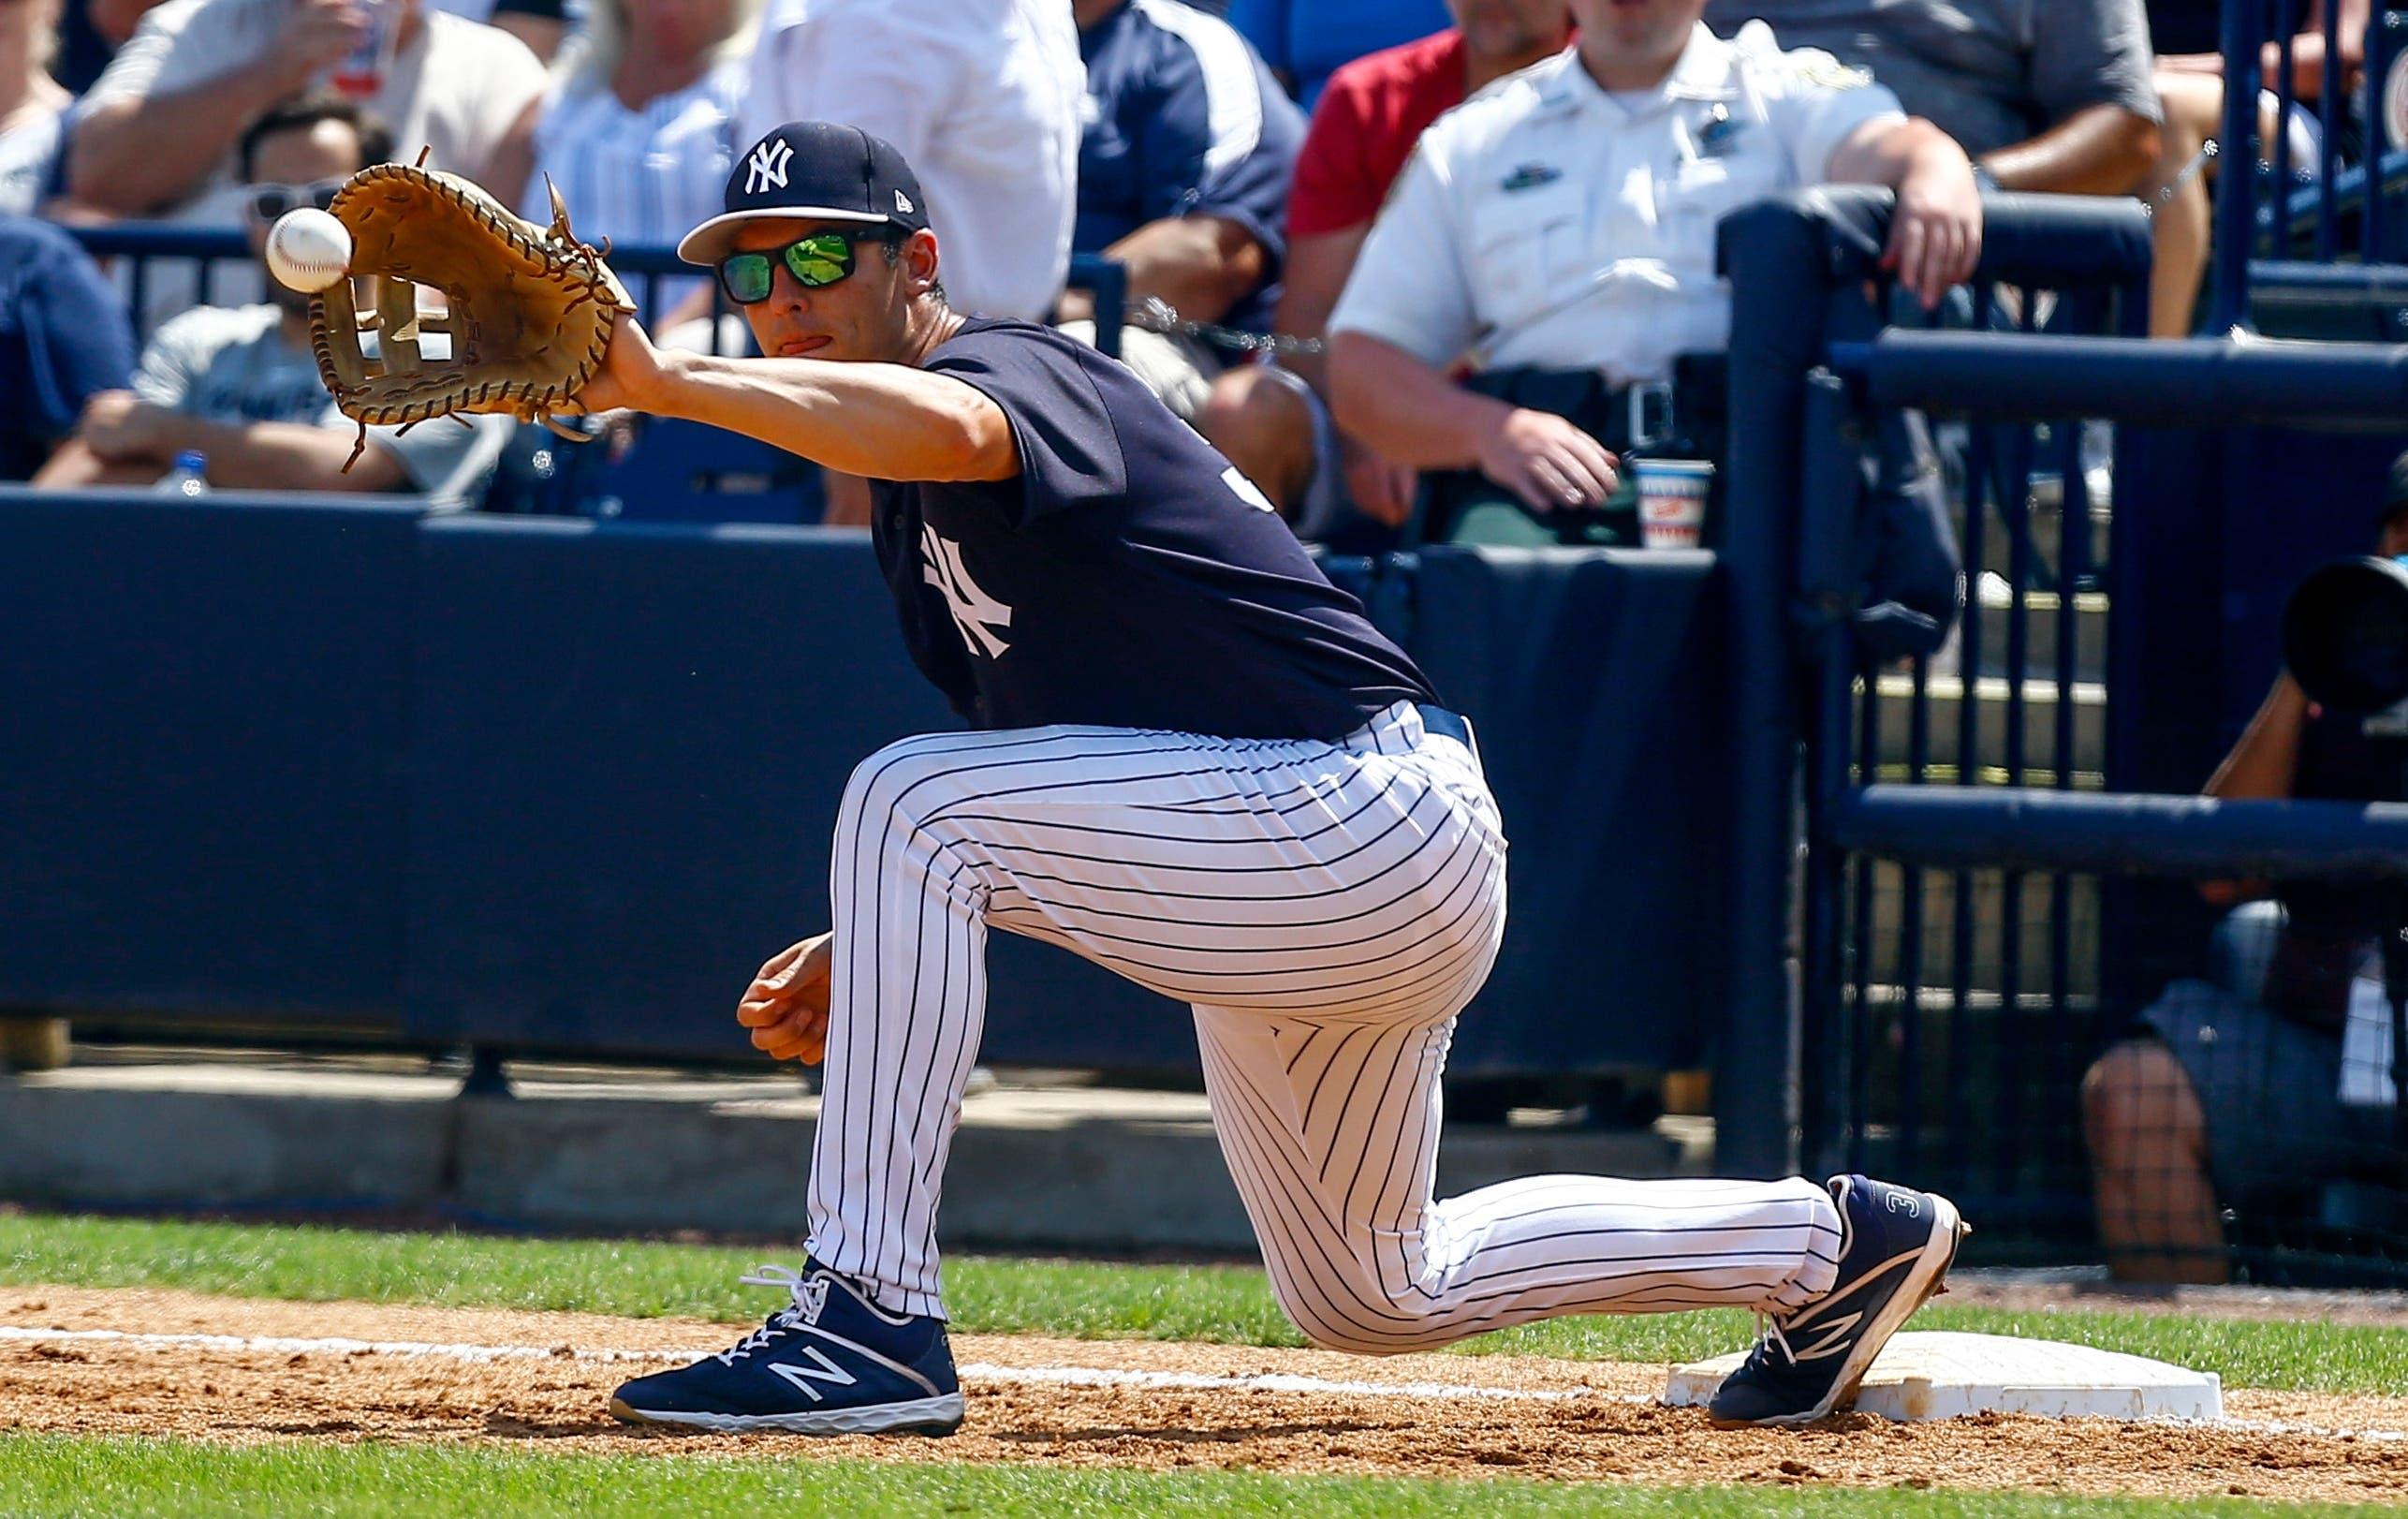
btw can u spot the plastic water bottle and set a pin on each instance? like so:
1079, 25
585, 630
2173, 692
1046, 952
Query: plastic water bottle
188, 478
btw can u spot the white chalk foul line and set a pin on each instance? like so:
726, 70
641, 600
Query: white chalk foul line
972, 1371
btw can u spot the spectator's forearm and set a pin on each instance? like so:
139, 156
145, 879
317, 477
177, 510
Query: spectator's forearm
2264, 763
134, 156
1318, 266
1406, 409
1892, 153
73, 464
2099, 149
1200, 265
284, 456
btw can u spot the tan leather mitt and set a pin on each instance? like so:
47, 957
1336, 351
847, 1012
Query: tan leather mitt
529, 308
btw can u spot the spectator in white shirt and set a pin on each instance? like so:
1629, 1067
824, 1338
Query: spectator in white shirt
637, 134
161, 124
980, 96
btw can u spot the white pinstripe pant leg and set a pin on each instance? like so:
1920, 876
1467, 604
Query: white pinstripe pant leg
1327, 909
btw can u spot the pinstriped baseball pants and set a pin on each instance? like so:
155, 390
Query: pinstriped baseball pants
1326, 909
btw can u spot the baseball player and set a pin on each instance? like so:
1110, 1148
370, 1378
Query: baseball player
1191, 760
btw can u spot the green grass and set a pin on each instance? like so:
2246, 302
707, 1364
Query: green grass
126, 1477
992, 1294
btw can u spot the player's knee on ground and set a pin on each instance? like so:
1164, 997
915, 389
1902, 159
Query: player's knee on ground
1260, 423
1345, 1306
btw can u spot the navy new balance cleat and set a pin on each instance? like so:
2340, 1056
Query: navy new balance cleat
830, 1363
1895, 1247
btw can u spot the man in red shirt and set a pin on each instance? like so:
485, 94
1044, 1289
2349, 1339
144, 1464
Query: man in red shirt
1271, 421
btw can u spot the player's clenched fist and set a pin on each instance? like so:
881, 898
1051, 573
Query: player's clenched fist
787, 1005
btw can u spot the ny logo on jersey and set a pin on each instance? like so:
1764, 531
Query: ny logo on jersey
802, 1377
766, 166
976, 613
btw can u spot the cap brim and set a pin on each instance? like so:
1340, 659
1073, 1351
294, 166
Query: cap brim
712, 241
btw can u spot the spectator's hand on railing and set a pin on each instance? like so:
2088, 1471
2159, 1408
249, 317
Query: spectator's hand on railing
787, 1005
1546, 461
1935, 234
1381, 490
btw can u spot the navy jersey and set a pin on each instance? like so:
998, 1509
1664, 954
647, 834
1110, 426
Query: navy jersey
1182, 119
64, 337
1128, 576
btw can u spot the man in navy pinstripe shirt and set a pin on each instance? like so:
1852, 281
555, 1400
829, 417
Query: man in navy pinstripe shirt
1193, 761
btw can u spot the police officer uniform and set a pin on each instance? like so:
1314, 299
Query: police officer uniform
1561, 235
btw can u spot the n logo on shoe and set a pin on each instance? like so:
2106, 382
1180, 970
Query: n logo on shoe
826, 1371
1829, 1339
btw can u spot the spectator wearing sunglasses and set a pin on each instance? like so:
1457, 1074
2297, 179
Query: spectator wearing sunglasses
1183, 173
161, 125
240, 385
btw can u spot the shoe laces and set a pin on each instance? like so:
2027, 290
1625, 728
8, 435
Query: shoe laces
1769, 1335
803, 1309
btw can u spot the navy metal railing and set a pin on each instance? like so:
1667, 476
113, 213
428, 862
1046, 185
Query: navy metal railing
2348, 199
217, 265
655, 276
1962, 816
1913, 981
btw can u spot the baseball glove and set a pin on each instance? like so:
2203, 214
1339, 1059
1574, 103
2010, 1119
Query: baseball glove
529, 309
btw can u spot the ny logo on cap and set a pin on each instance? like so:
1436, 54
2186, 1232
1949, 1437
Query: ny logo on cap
767, 167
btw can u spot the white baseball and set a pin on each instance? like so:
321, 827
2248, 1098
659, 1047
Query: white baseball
308, 249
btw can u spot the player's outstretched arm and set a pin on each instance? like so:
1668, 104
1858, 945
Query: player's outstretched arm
888, 421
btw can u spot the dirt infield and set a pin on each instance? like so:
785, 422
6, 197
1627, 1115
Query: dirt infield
538, 1382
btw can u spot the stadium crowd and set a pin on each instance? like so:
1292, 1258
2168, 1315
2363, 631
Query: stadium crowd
1361, 318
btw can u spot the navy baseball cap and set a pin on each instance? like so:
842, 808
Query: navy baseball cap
816, 170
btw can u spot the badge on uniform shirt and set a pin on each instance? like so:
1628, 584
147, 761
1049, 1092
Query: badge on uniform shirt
1530, 176
1815, 66
1717, 135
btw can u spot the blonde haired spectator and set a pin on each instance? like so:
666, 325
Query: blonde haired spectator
637, 130
32, 104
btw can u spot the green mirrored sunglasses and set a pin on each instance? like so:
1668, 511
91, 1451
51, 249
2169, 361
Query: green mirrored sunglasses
815, 261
